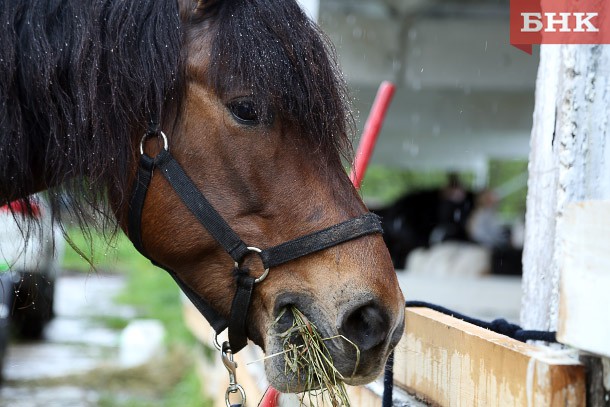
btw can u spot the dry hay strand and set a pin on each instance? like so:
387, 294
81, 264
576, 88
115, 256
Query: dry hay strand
306, 355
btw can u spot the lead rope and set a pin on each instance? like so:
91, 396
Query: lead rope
499, 325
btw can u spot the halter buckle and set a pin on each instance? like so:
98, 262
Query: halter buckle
262, 276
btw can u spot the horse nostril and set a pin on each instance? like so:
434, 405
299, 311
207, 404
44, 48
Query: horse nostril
367, 326
285, 320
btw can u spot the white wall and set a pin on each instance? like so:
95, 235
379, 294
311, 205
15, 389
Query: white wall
431, 129
311, 7
568, 163
464, 94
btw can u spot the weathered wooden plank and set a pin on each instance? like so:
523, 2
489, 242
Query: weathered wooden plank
362, 397
449, 362
584, 306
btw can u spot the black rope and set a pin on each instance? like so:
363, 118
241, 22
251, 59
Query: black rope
388, 382
499, 325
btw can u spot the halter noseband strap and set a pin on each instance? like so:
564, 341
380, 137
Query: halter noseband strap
211, 220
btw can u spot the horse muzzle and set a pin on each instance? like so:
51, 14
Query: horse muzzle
358, 333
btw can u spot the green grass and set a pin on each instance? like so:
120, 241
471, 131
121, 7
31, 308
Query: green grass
184, 394
154, 294
116, 254
149, 289
501, 171
385, 185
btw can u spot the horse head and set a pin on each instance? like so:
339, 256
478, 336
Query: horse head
261, 133
256, 116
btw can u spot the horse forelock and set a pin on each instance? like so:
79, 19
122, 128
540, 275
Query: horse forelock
76, 78
271, 49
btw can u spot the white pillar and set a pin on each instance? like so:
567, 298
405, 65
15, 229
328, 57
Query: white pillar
569, 161
311, 7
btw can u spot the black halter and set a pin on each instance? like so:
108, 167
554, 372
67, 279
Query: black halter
211, 220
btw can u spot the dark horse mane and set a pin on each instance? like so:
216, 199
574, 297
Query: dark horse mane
77, 78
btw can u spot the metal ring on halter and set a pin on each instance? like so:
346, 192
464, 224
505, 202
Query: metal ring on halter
216, 343
235, 389
264, 275
146, 135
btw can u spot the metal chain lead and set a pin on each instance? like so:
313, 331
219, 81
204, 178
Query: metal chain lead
234, 387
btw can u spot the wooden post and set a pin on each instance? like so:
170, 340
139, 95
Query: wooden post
569, 162
449, 362
539, 274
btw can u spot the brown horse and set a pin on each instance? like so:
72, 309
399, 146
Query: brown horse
255, 113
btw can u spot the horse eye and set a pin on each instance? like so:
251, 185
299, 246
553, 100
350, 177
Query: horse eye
244, 111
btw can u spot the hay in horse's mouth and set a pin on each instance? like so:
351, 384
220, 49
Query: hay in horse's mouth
307, 358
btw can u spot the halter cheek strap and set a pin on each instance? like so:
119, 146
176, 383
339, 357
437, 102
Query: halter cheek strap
218, 228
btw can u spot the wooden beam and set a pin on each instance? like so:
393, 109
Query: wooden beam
449, 362
584, 306
362, 397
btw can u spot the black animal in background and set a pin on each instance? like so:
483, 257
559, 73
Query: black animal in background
424, 217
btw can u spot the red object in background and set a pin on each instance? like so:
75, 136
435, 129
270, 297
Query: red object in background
361, 161
371, 131
270, 398
20, 206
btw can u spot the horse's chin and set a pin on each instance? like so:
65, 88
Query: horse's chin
286, 381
